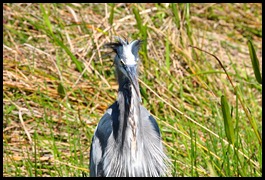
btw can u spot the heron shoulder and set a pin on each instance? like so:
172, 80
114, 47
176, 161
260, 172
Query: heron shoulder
149, 120
105, 125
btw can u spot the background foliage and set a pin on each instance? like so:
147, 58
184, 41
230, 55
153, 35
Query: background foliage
58, 80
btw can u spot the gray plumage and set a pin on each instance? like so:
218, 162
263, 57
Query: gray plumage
127, 140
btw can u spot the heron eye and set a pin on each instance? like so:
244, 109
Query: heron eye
122, 62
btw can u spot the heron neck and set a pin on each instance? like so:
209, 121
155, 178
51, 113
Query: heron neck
129, 105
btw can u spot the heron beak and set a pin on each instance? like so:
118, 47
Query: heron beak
131, 73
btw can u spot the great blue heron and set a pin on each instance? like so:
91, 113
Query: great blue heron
127, 140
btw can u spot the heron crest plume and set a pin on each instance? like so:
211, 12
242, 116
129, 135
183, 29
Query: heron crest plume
125, 50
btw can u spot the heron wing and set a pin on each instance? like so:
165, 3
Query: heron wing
149, 120
100, 138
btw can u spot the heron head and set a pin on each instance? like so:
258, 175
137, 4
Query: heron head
126, 59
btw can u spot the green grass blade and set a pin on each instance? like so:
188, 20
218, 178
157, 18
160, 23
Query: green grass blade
46, 19
143, 31
255, 61
144, 43
111, 14
143, 93
176, 14
187, 18
229, 128
251, 119
61, 90
35, 153
138, 19
167, 55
